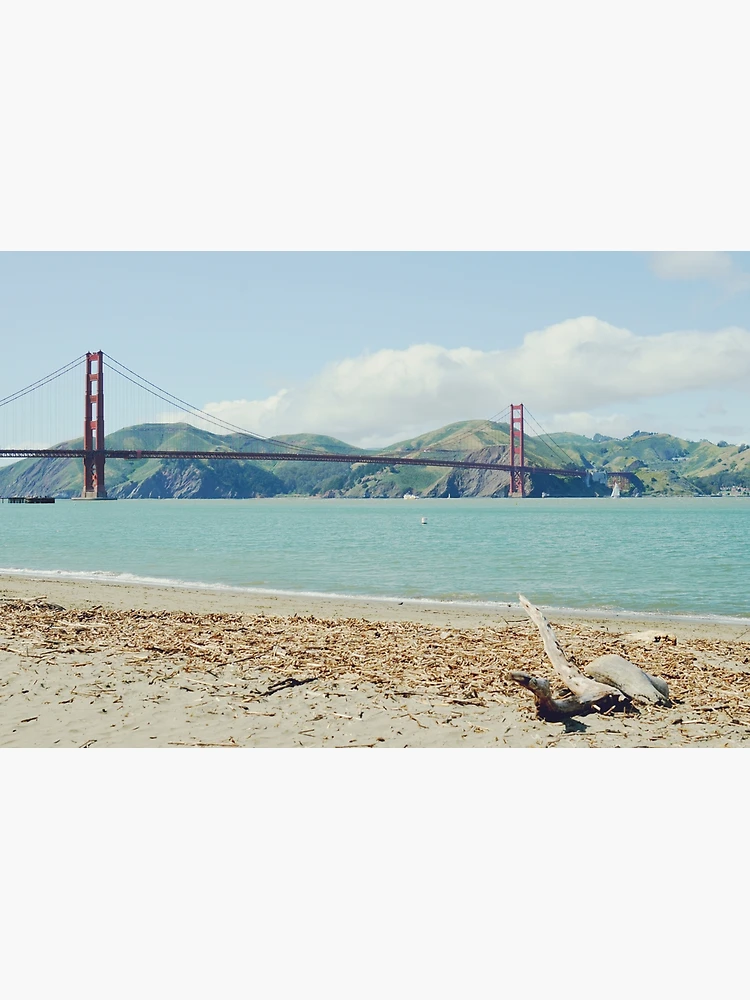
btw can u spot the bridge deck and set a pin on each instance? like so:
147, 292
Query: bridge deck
264, 456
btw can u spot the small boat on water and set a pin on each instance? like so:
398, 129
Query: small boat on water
424, 520
410, 496
615, 491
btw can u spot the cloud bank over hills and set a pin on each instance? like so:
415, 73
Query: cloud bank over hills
578, 375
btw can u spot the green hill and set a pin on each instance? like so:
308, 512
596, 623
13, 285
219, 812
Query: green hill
664, 464
463, 436
150, 477
675, 465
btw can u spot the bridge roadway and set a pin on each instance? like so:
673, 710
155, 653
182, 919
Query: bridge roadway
265, 456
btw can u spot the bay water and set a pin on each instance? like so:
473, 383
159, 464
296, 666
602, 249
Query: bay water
683, 556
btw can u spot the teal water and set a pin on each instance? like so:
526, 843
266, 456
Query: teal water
675, 556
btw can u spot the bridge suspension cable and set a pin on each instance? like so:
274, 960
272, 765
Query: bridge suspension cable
42, 381
195, 411
44, 412
545, 438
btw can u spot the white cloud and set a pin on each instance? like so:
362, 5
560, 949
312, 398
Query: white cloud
687, 265
579, 422
567, 370
252, 414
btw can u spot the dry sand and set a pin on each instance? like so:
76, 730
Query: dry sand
99, 664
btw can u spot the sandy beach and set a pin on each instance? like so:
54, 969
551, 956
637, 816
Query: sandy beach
93, 664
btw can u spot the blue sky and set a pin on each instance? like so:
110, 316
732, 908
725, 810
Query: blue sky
372, 347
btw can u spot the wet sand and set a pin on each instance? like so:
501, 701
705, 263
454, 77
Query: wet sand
109, 664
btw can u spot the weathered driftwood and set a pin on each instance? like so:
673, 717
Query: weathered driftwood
584, 687
660, 684
615, 681
649, 636
557, 709
630, 679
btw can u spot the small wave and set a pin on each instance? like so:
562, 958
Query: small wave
107, 576
110, 577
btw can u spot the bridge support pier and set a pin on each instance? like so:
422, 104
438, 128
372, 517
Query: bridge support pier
516, 450
93, 429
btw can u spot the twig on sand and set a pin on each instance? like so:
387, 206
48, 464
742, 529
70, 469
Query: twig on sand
229, 743
286, 683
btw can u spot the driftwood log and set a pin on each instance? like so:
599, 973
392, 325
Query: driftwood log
613, 681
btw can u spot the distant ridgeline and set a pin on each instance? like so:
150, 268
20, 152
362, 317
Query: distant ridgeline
664, 465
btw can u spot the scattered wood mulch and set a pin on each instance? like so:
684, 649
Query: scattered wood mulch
709, 678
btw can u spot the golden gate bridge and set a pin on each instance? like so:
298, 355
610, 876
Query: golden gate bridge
94, 452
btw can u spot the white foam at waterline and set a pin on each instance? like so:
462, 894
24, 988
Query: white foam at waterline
110, 577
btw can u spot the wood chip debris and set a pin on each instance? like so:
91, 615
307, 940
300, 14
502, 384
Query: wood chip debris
231, 656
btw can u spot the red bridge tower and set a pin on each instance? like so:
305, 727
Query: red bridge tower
93, 429
516, 449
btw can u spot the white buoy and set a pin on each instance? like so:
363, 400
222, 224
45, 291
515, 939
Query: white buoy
424, 520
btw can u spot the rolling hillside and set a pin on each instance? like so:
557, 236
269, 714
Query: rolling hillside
149, 477
664, 465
